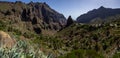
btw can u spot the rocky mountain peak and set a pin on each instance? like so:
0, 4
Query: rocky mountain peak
36, 15
101, 7
69, 21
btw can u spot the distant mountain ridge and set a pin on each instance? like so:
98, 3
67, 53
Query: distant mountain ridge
98, 14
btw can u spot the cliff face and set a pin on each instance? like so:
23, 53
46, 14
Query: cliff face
36, 17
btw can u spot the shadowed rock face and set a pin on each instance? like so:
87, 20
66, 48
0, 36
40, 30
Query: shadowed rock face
100, 13
69, 21
6, 40
35, 15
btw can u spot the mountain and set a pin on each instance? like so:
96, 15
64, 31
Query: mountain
37, 17
98, 15
35, 30
27, 27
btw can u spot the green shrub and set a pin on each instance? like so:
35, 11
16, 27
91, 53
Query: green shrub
117, 55
83, 54
2, 25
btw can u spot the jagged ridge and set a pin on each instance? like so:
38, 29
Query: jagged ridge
36, 17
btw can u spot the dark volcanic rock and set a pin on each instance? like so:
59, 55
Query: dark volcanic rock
69, 21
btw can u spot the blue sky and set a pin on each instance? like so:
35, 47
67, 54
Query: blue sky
76, 7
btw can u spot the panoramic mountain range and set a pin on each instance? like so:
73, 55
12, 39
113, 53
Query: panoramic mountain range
35, 30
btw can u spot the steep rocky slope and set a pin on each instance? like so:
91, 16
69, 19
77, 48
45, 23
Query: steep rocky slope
37, 17
29, 25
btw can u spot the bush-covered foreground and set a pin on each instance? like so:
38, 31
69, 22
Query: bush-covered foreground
21, 50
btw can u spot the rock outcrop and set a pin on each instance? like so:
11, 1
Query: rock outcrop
6, 40
69, 21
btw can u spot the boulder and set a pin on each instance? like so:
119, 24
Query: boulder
6, 40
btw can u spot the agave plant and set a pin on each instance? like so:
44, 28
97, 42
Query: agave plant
21, 50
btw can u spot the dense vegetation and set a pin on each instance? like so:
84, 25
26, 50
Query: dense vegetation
48, 39
103, 38
83, 54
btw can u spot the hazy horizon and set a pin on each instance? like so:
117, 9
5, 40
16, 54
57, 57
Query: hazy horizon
75, 8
